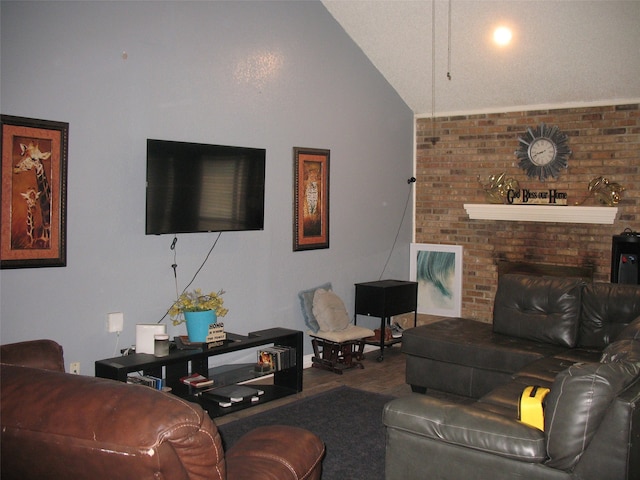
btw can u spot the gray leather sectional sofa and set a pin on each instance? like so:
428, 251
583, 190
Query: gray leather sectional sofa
580, 339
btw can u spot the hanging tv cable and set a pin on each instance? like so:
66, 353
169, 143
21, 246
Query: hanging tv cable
410, 181
175, 269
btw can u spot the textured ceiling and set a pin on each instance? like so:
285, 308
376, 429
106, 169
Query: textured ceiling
563, 52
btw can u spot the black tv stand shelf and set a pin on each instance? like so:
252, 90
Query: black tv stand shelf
176, 365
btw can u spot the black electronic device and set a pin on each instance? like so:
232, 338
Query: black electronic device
628, 269
625, 254
194, 187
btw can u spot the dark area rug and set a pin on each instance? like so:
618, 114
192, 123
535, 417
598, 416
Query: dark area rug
349, 422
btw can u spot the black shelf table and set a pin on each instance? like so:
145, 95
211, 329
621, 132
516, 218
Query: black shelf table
383, 299
180, 362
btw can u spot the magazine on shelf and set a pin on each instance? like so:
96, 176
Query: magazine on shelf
233, 393
224, 401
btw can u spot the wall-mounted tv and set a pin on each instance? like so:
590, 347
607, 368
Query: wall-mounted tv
194, 187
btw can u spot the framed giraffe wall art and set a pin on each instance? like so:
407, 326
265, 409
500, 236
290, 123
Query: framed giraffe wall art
310, 198
34, 193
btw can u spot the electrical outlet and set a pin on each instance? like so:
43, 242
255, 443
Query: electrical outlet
74, 368
115, 322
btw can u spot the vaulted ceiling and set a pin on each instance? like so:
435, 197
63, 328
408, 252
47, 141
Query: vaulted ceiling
563, 52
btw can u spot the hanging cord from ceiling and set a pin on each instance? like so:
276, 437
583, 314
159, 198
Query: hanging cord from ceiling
449, 45
434, 139
410, 181
433, 72
174, 266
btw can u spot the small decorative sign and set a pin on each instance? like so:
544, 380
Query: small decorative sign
541, 197
216, 333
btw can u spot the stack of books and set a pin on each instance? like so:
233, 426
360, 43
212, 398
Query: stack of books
147, 380
233, 394
197, 380
276, 358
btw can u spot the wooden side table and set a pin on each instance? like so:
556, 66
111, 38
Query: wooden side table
383, 299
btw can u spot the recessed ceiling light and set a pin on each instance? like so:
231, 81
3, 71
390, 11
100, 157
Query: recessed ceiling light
502, 36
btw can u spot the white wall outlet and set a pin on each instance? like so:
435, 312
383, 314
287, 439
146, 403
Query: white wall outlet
74, 368
115, 322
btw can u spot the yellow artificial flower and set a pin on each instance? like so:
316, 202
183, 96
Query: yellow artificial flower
196, 301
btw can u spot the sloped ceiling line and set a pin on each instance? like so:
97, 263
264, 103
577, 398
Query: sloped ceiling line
562, 52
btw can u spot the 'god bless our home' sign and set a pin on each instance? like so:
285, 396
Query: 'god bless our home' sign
543, 197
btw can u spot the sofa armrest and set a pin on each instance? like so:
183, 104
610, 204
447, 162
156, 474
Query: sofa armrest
45, 354
58, 425
465, 426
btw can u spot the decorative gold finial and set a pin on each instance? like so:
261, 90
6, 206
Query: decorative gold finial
498, 186
606, 192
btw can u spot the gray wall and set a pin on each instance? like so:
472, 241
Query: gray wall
263, 74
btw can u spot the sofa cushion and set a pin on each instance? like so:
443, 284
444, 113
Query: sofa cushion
546, 309
607, 308
508, 394
465, 426
463, 341
546, 369
631, 331
576, 405
622, 351
580, 355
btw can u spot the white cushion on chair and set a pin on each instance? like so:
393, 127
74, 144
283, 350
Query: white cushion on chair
329, 310
352, 332
306, 303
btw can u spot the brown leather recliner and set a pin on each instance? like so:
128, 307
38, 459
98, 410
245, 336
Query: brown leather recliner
60, 426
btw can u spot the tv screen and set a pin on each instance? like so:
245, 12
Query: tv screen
193, 187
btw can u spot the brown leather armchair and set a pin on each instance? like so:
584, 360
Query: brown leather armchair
57, 425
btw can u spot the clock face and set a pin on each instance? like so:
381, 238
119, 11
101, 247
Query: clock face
543, 152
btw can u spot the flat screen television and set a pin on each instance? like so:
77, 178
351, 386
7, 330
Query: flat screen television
194, 187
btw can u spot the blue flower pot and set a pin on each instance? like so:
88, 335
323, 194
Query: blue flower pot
198, 324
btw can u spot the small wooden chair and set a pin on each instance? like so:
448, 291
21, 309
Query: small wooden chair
337, 343
337, 356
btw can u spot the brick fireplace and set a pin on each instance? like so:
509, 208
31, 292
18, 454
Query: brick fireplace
605, 140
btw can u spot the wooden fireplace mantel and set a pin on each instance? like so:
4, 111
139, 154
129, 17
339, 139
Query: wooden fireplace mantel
541, 213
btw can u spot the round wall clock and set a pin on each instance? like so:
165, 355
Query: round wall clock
543, 152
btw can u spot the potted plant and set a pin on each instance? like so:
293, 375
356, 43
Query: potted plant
199, 311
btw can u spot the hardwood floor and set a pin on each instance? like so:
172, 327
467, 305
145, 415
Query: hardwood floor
386, 377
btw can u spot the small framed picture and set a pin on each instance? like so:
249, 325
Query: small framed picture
438, 271
34, 193
311, 199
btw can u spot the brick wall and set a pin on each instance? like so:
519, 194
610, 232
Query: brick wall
604, 140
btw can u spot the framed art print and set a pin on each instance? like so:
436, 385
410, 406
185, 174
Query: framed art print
438, 271
311, 199
34, 193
